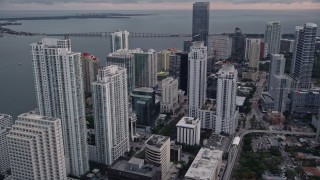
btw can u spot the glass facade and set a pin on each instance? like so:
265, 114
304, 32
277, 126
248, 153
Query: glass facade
200, 22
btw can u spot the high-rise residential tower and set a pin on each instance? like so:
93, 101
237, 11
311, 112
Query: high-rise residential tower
279, 83
59, 92
119, 40
277, 66
169, 95
110, 99
254, 53
221, 47
197, 82
303, 54
272, 37
145, 69
200, 22
125, 59
238, 46
90, 66
226, 120
36, 148
6, 120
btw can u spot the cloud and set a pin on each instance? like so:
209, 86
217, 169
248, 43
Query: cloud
153, 1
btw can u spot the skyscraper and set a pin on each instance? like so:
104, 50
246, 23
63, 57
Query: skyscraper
303, 54
90, 66
125, 59
59, 92
200, 22
119, 40
178, 69
277, 66
226, 120
36, 148
254, 53
145, 68
4, 155
197, 82
272, 37
169, 95
279, 83
110, 99
143, 103
6, 122
238, 46
221, 47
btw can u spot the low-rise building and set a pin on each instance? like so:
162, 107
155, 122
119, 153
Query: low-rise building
206, 165
175, 152
133, 169
188, 131
157, 151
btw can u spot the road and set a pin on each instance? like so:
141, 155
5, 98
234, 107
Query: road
235, 149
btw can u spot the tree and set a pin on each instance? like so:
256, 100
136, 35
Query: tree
291, 174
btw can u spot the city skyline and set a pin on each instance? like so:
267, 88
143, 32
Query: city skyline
161, 113
152, 5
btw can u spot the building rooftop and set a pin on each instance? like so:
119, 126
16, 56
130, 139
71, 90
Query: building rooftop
124, 165
4, 116
32, 115
240, 100
189, 122
157, 140
144, 89
228, 67
313, 25
134, 160
205, 164
312, 171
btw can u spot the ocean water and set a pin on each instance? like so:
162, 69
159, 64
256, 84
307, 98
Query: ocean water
16, 81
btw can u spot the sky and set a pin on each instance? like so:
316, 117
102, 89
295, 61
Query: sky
153, 4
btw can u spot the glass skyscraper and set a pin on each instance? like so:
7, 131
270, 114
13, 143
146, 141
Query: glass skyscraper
200, 22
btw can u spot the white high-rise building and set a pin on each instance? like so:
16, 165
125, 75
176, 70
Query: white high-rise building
279, 83
221, 46
59, 92
163, 60
273, 36
226, 117
157, 151
6, 120
277, 66
125, 59
303, 54
4, 156
145, 68
188, 131
119, 40
197, 81
110, 99
169, 95
254, 53
36, 148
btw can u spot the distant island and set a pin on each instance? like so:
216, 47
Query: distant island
78, 16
